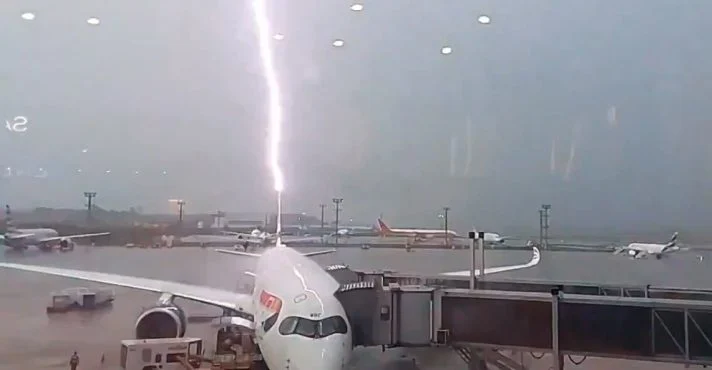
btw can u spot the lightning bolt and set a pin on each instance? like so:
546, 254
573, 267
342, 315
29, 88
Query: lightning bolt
274, 135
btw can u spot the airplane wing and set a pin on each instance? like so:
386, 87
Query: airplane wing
240, 235
308, 239
238, 253
639, 253
77, 236
536, 257
261, 242
319, 253
243, 238
211, 296
17, 236
247, 254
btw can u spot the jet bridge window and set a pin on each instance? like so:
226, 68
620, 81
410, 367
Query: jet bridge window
313, 328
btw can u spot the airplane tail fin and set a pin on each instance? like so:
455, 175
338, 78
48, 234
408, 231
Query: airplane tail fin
9, 225
673, 240
671, 244
382, 227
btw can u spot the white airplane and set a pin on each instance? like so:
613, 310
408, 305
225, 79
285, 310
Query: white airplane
342, 232
421, 234
417, 234
642, 250
44, 239
354, 231
494, 238
298, 321
263, 239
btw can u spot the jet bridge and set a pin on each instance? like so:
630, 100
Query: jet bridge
648, 329
388, 316
640, 323
640, 328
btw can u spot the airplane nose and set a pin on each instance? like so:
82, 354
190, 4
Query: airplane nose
329, 354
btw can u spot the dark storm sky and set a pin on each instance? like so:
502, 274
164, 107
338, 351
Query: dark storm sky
177, 86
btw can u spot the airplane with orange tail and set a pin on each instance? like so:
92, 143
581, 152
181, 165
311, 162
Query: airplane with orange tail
416, 234
424, 234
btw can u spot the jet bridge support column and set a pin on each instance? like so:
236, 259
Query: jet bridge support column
558, 358
473, 258
481, 245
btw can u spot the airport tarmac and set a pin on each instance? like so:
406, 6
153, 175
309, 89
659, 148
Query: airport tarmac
31, 339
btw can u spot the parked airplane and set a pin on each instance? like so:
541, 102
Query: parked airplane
44, 239
260, 238
642, 250
298, 320
343, 232
416, 234
421, 234
494, 238
348, 231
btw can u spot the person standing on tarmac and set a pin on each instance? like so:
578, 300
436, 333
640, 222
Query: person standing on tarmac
74, 361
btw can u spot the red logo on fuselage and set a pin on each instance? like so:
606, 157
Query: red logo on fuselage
270, 301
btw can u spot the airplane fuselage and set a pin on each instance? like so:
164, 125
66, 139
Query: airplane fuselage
299, 322
493, 238
419, 233
33, 237
650, 248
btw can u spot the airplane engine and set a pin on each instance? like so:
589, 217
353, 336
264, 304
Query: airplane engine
161, 322
66, 244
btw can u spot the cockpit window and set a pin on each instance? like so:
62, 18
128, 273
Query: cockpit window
288, 325
313, 328
269, 323
333, 325
306, 328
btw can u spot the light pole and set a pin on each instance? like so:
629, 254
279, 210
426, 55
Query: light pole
541, 228
545, 223
180, 203
447, 236
89, 195
337, 204
322, 206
